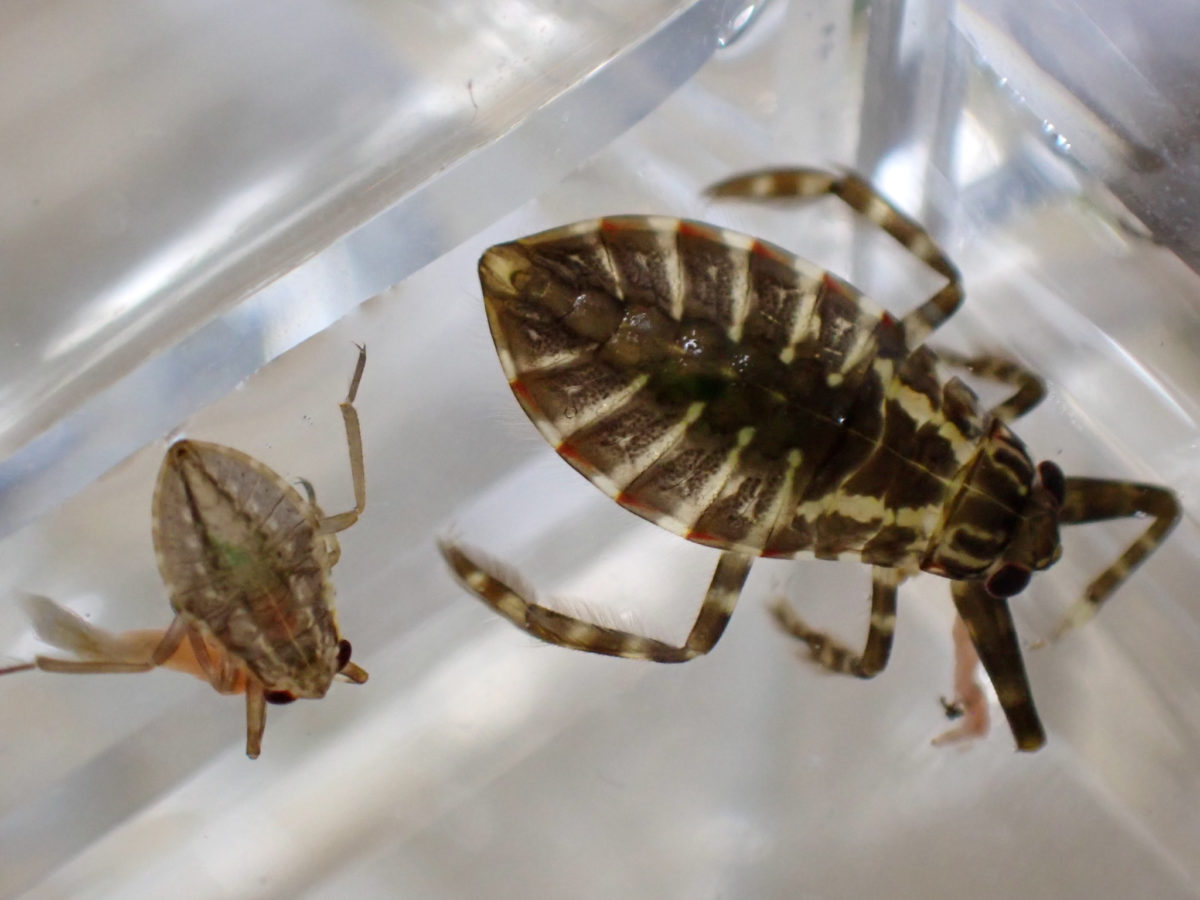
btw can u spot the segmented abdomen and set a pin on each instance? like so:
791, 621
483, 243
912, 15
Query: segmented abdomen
740, 396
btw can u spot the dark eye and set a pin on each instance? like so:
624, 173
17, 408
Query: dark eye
1008, 580
1052, 480
343, 654
279, 697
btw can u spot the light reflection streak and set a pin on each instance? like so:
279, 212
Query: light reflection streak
160, 274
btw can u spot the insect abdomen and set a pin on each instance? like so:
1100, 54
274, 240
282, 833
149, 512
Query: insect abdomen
729, 391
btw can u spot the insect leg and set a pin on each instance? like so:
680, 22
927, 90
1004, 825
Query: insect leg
227, 674
857, 193
567, 631
353, 673
990, 626
88, 666
1030, 388
171, 640
834, 655
200, 651
256, 717
221, 673
1094, 500
333, 550
98, 665
309, 490
342, 521
970, 702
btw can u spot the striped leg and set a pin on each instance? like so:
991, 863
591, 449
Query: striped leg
857, 193
834, 655
1030, 388
990, 626
516, 604
1095, 500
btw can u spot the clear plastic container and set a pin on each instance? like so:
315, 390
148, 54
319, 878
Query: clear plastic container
477, 762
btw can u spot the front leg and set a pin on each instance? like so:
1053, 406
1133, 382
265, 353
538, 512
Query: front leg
100, 658
990, 627
1030, 389
518, 605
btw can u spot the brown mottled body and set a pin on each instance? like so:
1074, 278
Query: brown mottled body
246, 561
245, 564
745, 399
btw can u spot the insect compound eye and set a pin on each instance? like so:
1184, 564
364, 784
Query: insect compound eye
343, 654
279, 697
1053, 481
1008, 580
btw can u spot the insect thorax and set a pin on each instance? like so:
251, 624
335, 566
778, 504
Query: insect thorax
745, 399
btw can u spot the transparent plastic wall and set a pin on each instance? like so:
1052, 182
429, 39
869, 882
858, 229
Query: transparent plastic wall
477, 762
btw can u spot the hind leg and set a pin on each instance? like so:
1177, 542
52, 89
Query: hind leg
169, 643
517, 604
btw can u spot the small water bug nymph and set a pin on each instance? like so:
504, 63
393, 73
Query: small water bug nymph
246, 560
